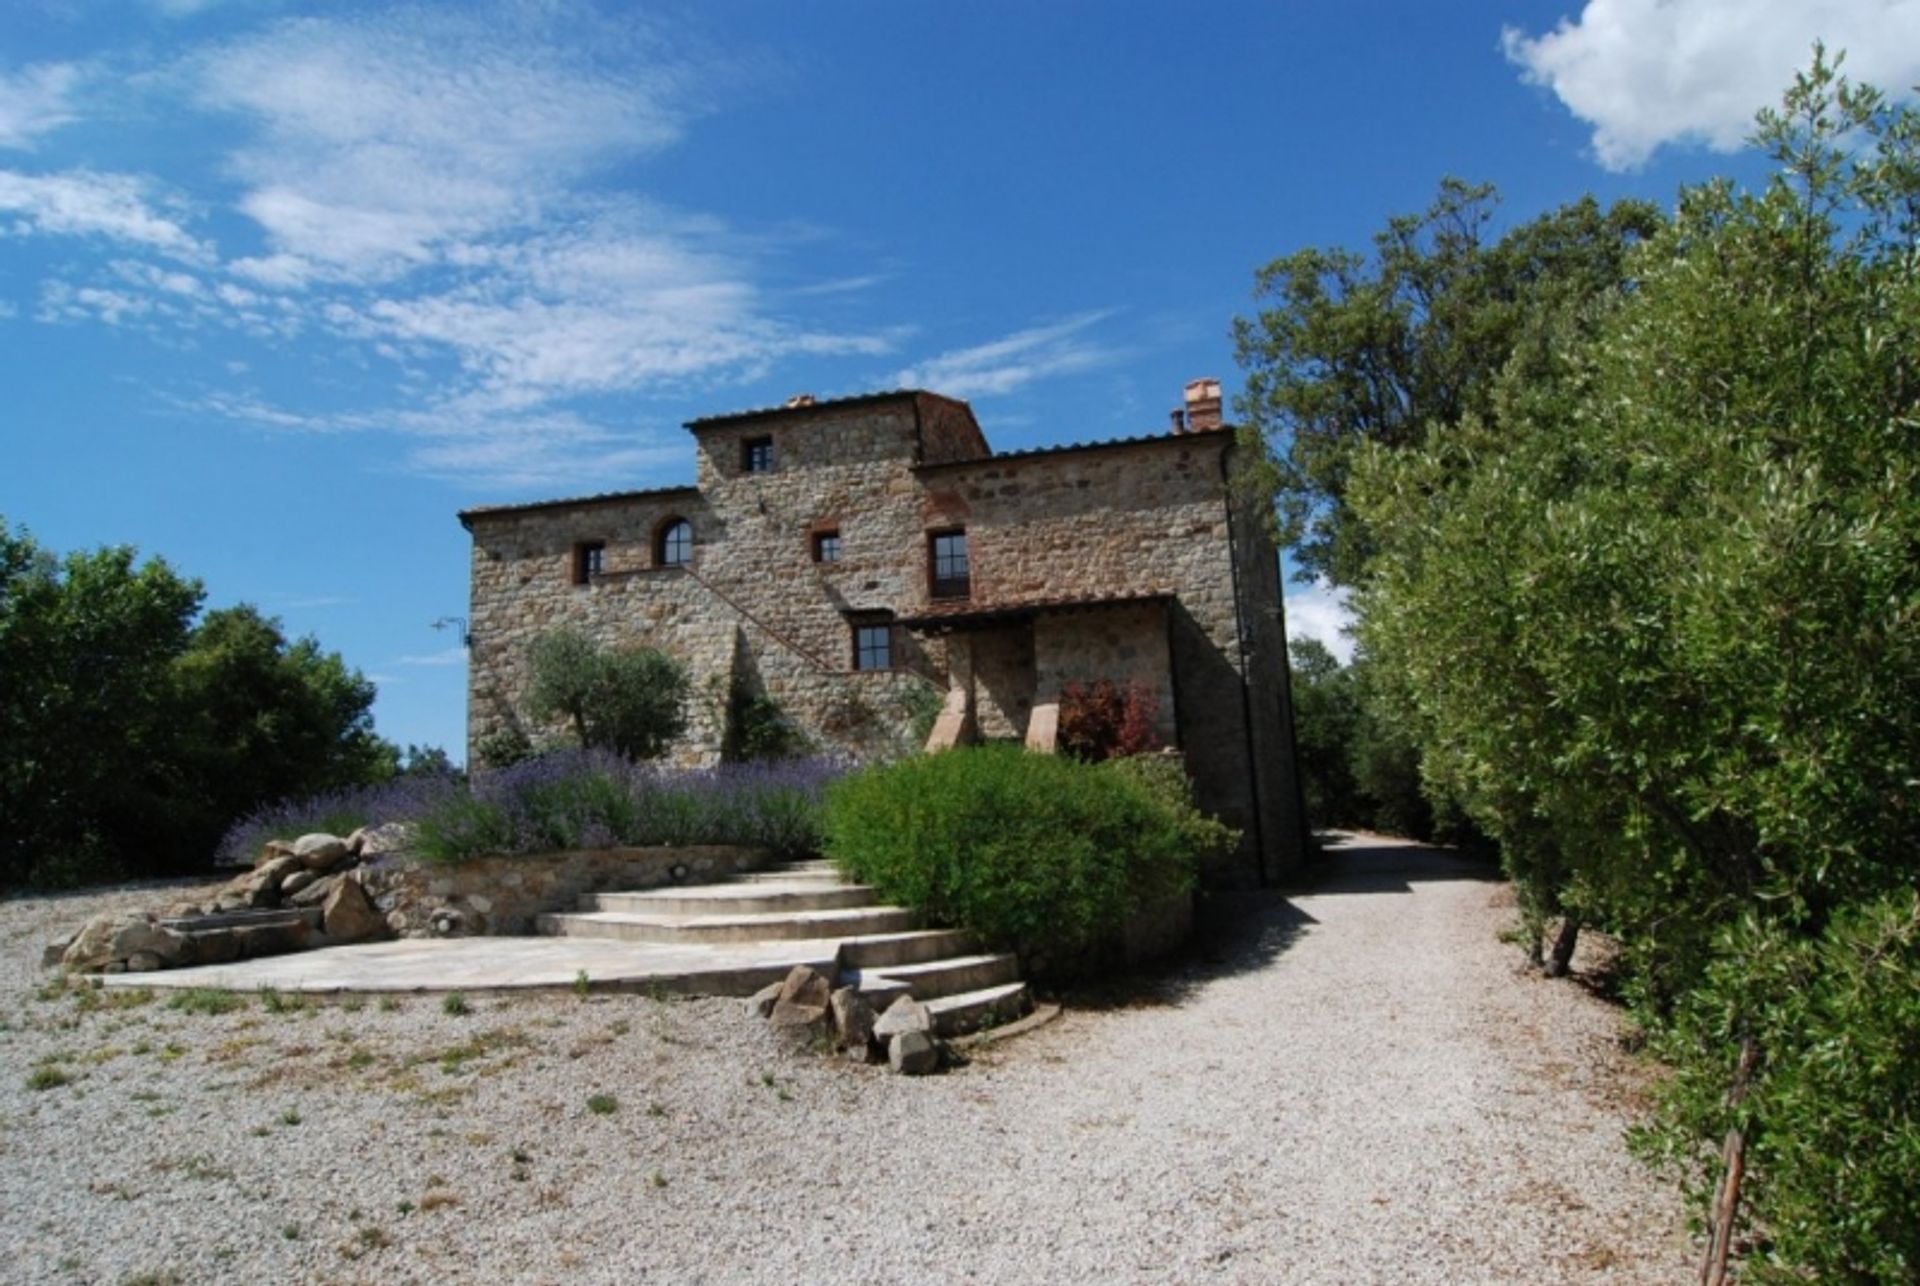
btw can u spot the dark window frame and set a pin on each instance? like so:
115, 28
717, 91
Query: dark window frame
663, 543
825, 545
589, 560
867, 648
949, 574
756, 455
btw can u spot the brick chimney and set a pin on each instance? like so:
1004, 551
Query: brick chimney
1203, 405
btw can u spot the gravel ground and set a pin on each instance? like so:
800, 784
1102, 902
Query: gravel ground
1357, 1086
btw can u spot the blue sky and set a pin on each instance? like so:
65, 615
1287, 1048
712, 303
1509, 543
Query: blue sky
284, 286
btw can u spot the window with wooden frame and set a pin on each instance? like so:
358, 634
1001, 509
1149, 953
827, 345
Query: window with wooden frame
589, 560
826, 546
949, 572
873, 645
673, 546
756, 455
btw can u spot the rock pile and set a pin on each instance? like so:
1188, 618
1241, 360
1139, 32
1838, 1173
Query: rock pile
809, 1010
300, 894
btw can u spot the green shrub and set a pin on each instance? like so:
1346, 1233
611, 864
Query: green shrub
1036, 852
1832, 1113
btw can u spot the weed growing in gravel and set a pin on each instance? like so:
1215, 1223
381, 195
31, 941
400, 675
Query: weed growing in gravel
290, 1117
656, 1108
47, 1077
403, 1207
172, 1051
206, 1000
389, 1005
353, 1005
455, 1004
438, 1200
582, 986
658, 1179
275, 1001
201, 1165
359, 1060
602, 1104
291, 1232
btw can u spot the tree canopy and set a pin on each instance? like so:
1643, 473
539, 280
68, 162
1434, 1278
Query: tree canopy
1637, 548
134, 730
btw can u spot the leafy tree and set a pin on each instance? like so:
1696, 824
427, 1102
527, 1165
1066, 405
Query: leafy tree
257, 718
1348, 350
86, 643
1651, 612
629, 700
131, 737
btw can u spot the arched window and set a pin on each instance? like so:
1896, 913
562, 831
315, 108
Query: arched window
673, 547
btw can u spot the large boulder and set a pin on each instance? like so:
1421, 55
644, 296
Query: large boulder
114, 939
320, 852
853, 1020
904, 1015
348, 915
800, 1011
316, 893
913, 1053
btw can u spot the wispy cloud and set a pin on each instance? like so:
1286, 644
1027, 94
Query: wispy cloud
431, 188
36, 100
548, 449
1004, 365
78, 203
446, 656
1321, 612
1648, 73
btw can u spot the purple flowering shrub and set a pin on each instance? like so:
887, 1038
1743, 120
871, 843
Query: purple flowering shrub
338, 812
573, 799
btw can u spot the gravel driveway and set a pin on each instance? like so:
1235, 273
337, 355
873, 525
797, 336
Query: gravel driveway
1358, 1086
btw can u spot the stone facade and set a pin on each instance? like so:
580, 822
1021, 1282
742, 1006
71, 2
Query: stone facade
1122, 560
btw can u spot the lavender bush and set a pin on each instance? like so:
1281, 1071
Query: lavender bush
338, 812
574, 799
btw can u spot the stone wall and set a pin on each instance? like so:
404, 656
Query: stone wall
502, 895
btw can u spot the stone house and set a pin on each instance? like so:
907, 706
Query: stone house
864, 560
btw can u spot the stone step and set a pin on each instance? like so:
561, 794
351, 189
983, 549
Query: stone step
812, 866
970, 1011
787, 875
778, 926
734, 899
944, 977
873, 950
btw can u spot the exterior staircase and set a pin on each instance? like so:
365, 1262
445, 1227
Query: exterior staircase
805, 913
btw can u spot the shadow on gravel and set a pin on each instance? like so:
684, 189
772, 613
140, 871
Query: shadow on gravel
1376, 864
1239, 932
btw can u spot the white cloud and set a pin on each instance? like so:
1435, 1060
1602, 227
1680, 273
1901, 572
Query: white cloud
81, 203
1321, 612
446, 656
1646, 73
501, 452
1013, 362
385, 141
34, 101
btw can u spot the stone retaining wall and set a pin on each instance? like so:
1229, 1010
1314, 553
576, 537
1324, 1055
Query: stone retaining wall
502, 895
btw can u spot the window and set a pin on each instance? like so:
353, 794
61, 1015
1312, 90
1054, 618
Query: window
589, 560
951, 574
826, 546
674, 547
873, 647
756, 455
